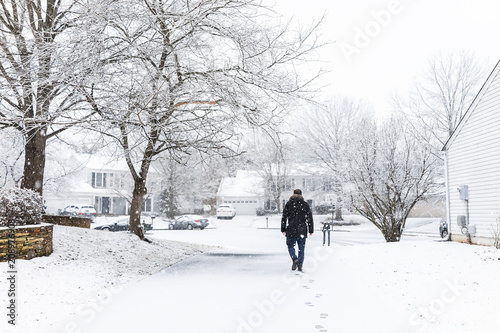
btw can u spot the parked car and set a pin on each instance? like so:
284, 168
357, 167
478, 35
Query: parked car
80, 210
189, 222
122, 224
226, 211
177, 224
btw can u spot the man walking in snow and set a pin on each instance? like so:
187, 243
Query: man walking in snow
300, 221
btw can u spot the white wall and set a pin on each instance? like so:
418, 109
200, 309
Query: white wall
473, 159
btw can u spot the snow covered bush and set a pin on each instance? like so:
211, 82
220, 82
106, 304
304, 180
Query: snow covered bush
22, 206
390, 172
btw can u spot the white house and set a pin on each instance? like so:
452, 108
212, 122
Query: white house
472, 156
245, 192
99, 181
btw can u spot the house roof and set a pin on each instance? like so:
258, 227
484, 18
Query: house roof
102, 163
245, 184
473, 106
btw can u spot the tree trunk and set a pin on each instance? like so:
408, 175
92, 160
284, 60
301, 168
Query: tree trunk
393, 230
138, 195
338, 209
171, 205
278, 203
34, 160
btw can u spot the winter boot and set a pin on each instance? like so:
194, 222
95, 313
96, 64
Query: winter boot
295, 263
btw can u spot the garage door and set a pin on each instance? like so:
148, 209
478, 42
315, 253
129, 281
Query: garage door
244, 207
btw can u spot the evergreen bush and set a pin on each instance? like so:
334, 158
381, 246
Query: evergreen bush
20, 207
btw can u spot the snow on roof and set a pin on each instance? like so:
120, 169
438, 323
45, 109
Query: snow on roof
101, 162
245, 184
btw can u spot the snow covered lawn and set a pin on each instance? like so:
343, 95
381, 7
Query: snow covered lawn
243, 282
85, 268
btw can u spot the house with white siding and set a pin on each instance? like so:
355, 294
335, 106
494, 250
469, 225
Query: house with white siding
103, 182
472, 165
245, 192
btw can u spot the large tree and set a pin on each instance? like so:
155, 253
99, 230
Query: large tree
391, 171
187, 73
39, 63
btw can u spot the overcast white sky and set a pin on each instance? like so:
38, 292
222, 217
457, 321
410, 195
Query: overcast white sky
381, 45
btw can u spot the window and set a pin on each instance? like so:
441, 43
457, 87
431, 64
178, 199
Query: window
146, 205
98, 179
116, 180
289, 184
327, 185
308, 184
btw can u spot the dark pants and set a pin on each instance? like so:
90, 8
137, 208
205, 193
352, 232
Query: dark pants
301, 242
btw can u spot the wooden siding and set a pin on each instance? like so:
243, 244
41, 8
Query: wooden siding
474, 159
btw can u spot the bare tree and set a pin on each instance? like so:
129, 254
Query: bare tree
438, 100
329, 130
271, 156
37, 65
391, 172
187, 74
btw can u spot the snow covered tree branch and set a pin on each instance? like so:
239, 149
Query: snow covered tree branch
391, 172
191, 72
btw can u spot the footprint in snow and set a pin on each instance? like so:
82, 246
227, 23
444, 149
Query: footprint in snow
321, 328
323, 315
309, 304
318, 295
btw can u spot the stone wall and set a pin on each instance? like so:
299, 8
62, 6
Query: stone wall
70, 221
26, 242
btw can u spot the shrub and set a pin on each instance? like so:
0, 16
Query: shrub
20, 206
264, 212
323, 209
260, 212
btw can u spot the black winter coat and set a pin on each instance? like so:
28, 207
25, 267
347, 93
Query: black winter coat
299, 216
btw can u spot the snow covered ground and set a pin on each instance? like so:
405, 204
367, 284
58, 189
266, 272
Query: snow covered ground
243, 283
86, 267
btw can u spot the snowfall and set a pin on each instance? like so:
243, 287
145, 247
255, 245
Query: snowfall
235, 276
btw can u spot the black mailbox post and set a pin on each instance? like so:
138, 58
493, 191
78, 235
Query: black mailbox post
326, 229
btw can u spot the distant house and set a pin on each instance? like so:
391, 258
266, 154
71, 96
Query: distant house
247, 191
472, 156
99, 181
